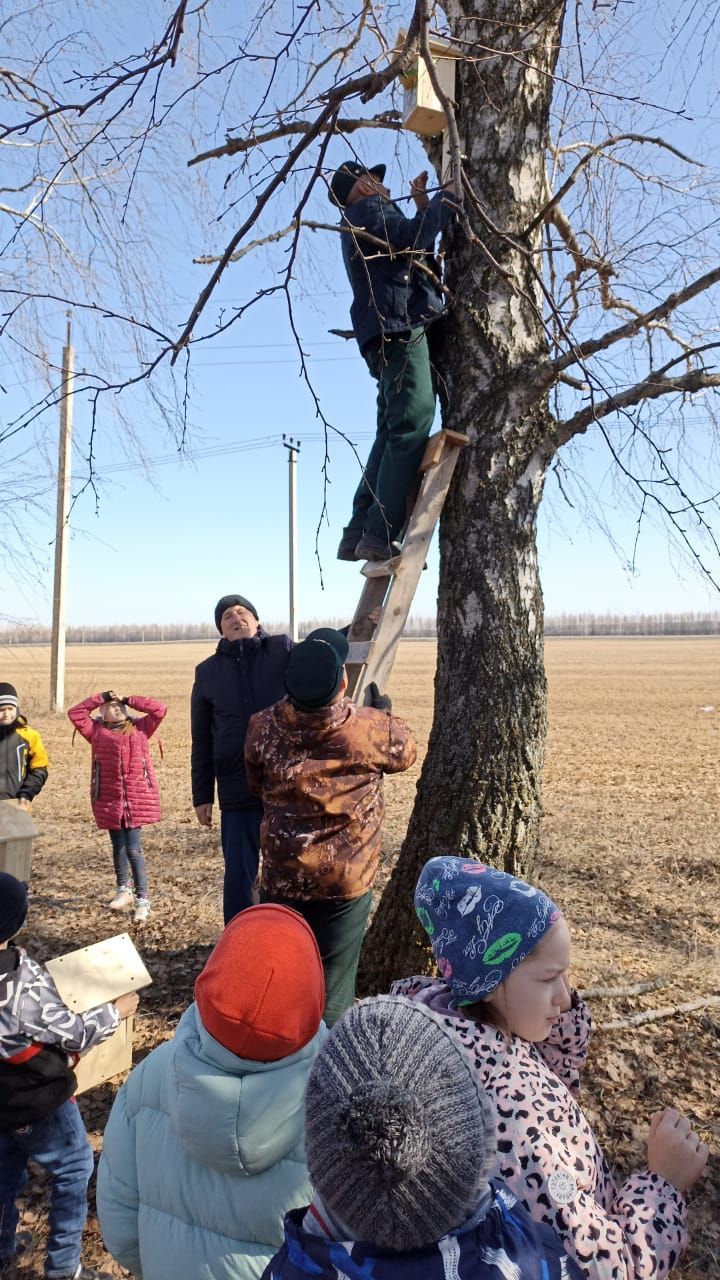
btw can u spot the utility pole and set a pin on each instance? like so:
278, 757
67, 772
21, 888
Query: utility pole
57, 650
293, 448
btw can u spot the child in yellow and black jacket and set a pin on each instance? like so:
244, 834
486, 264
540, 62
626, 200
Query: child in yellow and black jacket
23, 758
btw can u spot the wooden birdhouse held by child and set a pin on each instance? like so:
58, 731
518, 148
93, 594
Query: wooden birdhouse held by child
422, 109
89, 976
17, 832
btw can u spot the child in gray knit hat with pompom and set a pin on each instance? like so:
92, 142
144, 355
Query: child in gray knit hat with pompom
401, 1146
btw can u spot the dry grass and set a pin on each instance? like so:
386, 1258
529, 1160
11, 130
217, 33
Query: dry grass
630, 851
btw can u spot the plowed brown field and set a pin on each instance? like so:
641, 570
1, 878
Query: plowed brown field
630, 851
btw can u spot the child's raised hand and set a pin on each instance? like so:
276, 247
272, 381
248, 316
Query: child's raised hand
127, 1004
674, 1150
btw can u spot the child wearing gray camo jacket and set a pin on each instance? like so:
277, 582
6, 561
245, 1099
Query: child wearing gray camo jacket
40, 1041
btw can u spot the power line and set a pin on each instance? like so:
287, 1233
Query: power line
216, 451
199, 364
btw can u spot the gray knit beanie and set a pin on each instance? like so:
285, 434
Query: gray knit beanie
400, 1138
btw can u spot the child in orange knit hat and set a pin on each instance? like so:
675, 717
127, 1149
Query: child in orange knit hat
203, 1152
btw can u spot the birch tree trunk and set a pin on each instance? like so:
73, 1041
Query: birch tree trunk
479, 793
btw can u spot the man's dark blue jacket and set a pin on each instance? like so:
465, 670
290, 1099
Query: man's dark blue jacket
391, 293
241, 677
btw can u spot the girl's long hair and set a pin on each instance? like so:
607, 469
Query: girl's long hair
486, 1015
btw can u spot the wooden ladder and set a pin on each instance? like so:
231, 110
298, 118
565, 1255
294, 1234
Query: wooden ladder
391, 584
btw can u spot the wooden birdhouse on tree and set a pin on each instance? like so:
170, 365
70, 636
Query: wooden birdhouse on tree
17, 832
422, 109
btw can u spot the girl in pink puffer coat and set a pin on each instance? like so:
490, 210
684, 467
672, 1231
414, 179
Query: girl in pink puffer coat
124, 791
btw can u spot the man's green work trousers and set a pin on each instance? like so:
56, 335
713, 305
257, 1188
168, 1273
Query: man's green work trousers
339, 928
405, 411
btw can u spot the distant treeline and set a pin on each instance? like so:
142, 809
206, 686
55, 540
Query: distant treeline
562, 624
633, 624
155, 632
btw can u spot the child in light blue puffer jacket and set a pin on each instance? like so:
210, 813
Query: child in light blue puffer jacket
203, 1152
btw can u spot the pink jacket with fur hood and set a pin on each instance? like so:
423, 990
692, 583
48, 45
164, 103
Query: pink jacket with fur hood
549, 1155
123, 787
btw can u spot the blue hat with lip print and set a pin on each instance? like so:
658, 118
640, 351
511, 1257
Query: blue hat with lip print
481, 922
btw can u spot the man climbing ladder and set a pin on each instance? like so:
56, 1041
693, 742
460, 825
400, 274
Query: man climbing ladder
396, 296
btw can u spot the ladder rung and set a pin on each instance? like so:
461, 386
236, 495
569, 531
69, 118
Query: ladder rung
457, 438
381, 568
437, 444
433, 451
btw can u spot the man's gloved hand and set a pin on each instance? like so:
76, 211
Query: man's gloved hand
380, 701
109, 696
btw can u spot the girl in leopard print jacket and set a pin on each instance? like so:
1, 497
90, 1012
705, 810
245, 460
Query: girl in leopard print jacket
508, 1000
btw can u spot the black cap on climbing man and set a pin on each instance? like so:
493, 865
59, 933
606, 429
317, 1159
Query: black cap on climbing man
344, 179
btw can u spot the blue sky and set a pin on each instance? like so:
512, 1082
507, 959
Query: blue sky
162, 541
165, 542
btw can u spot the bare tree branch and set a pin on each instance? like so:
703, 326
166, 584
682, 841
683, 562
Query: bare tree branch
595, 151
171, 39
582, 350
447, 106
276, 181
650, 388
357, 233
634, 989
653, 1015
386, 120
365, 87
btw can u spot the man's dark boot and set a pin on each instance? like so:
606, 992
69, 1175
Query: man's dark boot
348, 543
376, 549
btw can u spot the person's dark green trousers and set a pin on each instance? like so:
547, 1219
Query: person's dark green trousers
339, 928
405, 411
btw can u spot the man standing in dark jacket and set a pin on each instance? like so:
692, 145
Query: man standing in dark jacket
396, 295
244, 675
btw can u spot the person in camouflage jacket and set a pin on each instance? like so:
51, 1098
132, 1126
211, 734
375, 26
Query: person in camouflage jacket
317, 762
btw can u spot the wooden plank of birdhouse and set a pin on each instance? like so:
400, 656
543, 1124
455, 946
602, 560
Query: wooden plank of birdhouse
438, 48
100, 972
422, 110
111, 1058
88, 977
